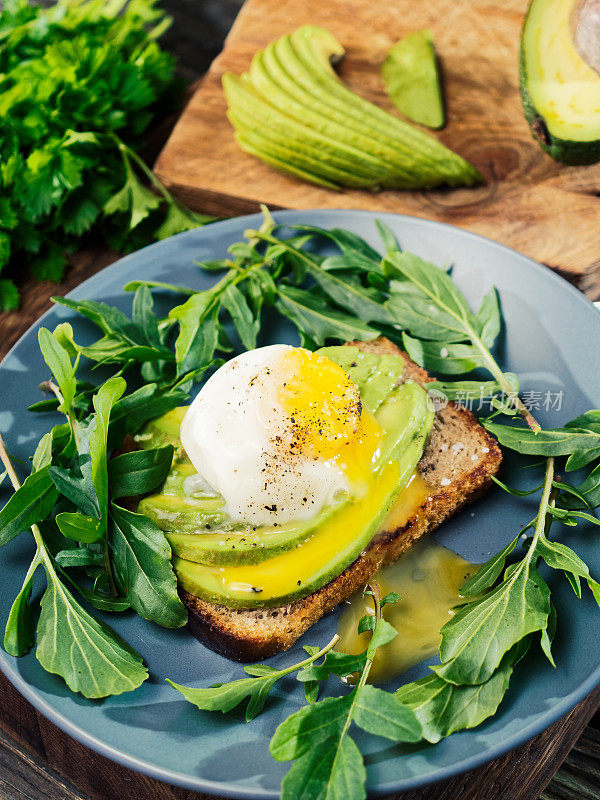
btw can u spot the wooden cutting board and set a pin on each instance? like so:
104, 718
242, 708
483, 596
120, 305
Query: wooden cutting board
546, 210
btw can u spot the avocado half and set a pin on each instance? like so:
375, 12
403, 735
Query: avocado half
560, 78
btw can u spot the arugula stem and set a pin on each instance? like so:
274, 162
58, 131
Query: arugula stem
546, 500
366, 669
497, 373
311, 659
70, 416
108, 567
10, 470
37, 534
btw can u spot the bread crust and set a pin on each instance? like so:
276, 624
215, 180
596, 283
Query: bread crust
458, 463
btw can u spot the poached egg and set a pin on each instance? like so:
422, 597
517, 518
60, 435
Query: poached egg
280, 433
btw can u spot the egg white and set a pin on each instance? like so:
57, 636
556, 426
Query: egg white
230, 434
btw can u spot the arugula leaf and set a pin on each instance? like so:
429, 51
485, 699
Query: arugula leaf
548, 442
84, 651
581, 458
79, 557
560, 556
489, 318
390, 242
488, 573
79, 489
82, 528
443, 708
142, 562
139, 471
475, 640
447, 303
143, 317
132, 411
225, 697
332, 768
43, 452
59, 362
31, 503
447, 359
103, 401
351, 297
19, 634
335, 663
198, 331
316, 320
348, 242
246, 323
590, 488
327, 762
384, 714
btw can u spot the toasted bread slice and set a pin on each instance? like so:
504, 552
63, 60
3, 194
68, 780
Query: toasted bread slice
457, 464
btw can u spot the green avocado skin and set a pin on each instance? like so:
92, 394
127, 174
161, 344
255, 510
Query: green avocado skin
563, 150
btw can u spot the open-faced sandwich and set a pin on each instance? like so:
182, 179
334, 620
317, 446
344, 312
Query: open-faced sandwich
297, 475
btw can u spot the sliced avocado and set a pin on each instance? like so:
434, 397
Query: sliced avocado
240, 93
199, 529
271, 80
283, 165
162, 431
312, 44
176, 511
376, 375
283, 62
292, 98
411, 77
271, 145
334, 545
560, 81
251, 546
280, 133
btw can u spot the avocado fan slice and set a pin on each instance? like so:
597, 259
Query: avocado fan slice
300, 571
276, 146
271, 80
560, 81
242, 95
312, 46
197, 525
283, 166
287, 68
411, 77
292, 98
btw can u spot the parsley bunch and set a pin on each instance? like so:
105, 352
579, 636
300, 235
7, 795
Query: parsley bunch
80, 82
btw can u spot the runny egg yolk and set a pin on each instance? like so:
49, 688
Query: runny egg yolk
327, 421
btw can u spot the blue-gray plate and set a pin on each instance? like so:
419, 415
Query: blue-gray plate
551, 340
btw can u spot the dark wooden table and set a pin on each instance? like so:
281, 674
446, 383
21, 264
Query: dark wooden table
38, 760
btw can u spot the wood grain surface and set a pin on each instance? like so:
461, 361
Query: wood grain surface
37, 760
543, 209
